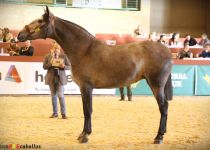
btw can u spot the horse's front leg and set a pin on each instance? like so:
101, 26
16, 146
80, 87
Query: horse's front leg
129, 93
87, 110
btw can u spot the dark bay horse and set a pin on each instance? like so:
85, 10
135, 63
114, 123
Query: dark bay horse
97, 65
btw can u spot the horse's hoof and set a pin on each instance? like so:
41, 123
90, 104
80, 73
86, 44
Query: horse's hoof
81, 135
83, 139
158, 141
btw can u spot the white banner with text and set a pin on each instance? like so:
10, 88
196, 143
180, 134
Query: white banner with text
28, 78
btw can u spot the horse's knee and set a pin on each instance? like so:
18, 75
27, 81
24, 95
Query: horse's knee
164, 108
160, 98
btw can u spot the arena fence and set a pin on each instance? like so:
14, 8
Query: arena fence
28, 78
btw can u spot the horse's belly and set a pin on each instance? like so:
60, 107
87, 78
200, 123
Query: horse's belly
114, 74
118, 79
116, 83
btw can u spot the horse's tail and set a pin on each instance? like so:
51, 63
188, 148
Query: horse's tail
168, 90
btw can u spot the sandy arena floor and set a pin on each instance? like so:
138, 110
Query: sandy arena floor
116, 125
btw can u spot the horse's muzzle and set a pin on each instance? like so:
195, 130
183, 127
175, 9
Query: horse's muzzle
21, 37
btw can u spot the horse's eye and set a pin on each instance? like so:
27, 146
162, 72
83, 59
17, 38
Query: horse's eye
40, 21
27, 28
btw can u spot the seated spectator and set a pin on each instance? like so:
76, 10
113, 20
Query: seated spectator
162, 40
13, 48
190, 40
174, 40
152, 36
1, 35
204, 40
206, 52
7, 36
27, 50
139, 32
185, 53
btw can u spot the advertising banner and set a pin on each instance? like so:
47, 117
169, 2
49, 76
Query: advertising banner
139, 88
36, 75
28, 78
12, 77
98, 3
202, 80
182, 81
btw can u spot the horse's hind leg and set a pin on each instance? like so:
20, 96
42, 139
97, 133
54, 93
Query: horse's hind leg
129, 93
122, 94
163, 107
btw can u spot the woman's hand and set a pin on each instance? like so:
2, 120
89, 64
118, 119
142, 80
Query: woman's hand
62, 65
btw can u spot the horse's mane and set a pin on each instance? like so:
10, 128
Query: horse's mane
79, 28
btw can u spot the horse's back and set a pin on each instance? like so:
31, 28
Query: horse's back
154, 59
149, 49
116, 66
152, 54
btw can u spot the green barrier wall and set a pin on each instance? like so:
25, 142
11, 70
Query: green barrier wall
183, 80
202, 80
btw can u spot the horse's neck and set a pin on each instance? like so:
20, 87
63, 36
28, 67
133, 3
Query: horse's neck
73, 39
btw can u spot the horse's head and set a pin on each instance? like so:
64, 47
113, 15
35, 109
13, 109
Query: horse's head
38, 29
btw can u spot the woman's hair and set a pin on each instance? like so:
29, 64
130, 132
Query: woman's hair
55, 46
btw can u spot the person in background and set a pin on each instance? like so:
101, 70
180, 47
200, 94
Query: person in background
56, 78
206, 52
13, 48
152, 36
27, 50
204, 40
162, 40
185, 53
7, 36
174, 40
190, 40
1, 35
139, 32
129, 93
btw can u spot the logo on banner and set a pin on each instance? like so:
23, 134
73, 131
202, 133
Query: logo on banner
179, 77
207, 79
12, 75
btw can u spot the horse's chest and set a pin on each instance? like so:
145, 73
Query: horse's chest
75, 77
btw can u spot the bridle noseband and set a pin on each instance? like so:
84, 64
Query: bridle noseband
37, 29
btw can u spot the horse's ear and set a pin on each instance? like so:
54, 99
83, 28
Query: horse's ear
48, 15
47, 10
